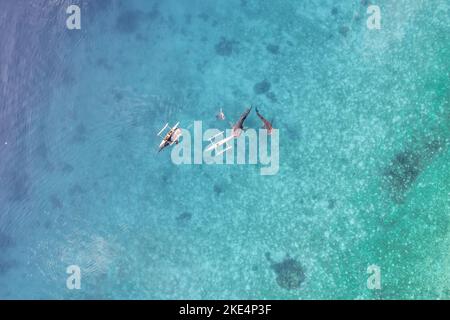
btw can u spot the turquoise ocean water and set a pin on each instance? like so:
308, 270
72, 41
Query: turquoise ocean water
364, 124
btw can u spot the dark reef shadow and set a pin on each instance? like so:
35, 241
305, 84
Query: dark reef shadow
67, 168
129, 21
184, 218
76, 190
262, 87
273, 48
401, 173
271, 96
218, 189
289, 272
224, 47
406, 166
56, 202
80, 133
344, 30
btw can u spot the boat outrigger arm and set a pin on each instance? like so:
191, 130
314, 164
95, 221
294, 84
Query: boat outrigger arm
216, 145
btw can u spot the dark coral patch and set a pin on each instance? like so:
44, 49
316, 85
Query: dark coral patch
67, 168
262, 87
218, 189
76, 190
47, 224
401, 173
153, 14
273, 48
344, 30
331, 204
271, 96
103, 63
289, 273
128, 21
55, 202
184, 218
224, 47
118, 96
204, 16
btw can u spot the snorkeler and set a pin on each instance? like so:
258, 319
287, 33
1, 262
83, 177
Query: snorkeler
267, 124
220, 115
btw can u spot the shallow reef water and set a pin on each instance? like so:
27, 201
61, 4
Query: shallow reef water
363, 120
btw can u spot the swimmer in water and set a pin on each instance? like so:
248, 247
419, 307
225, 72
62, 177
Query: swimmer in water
220, 115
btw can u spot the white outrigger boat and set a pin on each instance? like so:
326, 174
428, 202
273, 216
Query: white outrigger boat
171, 137
216, 145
